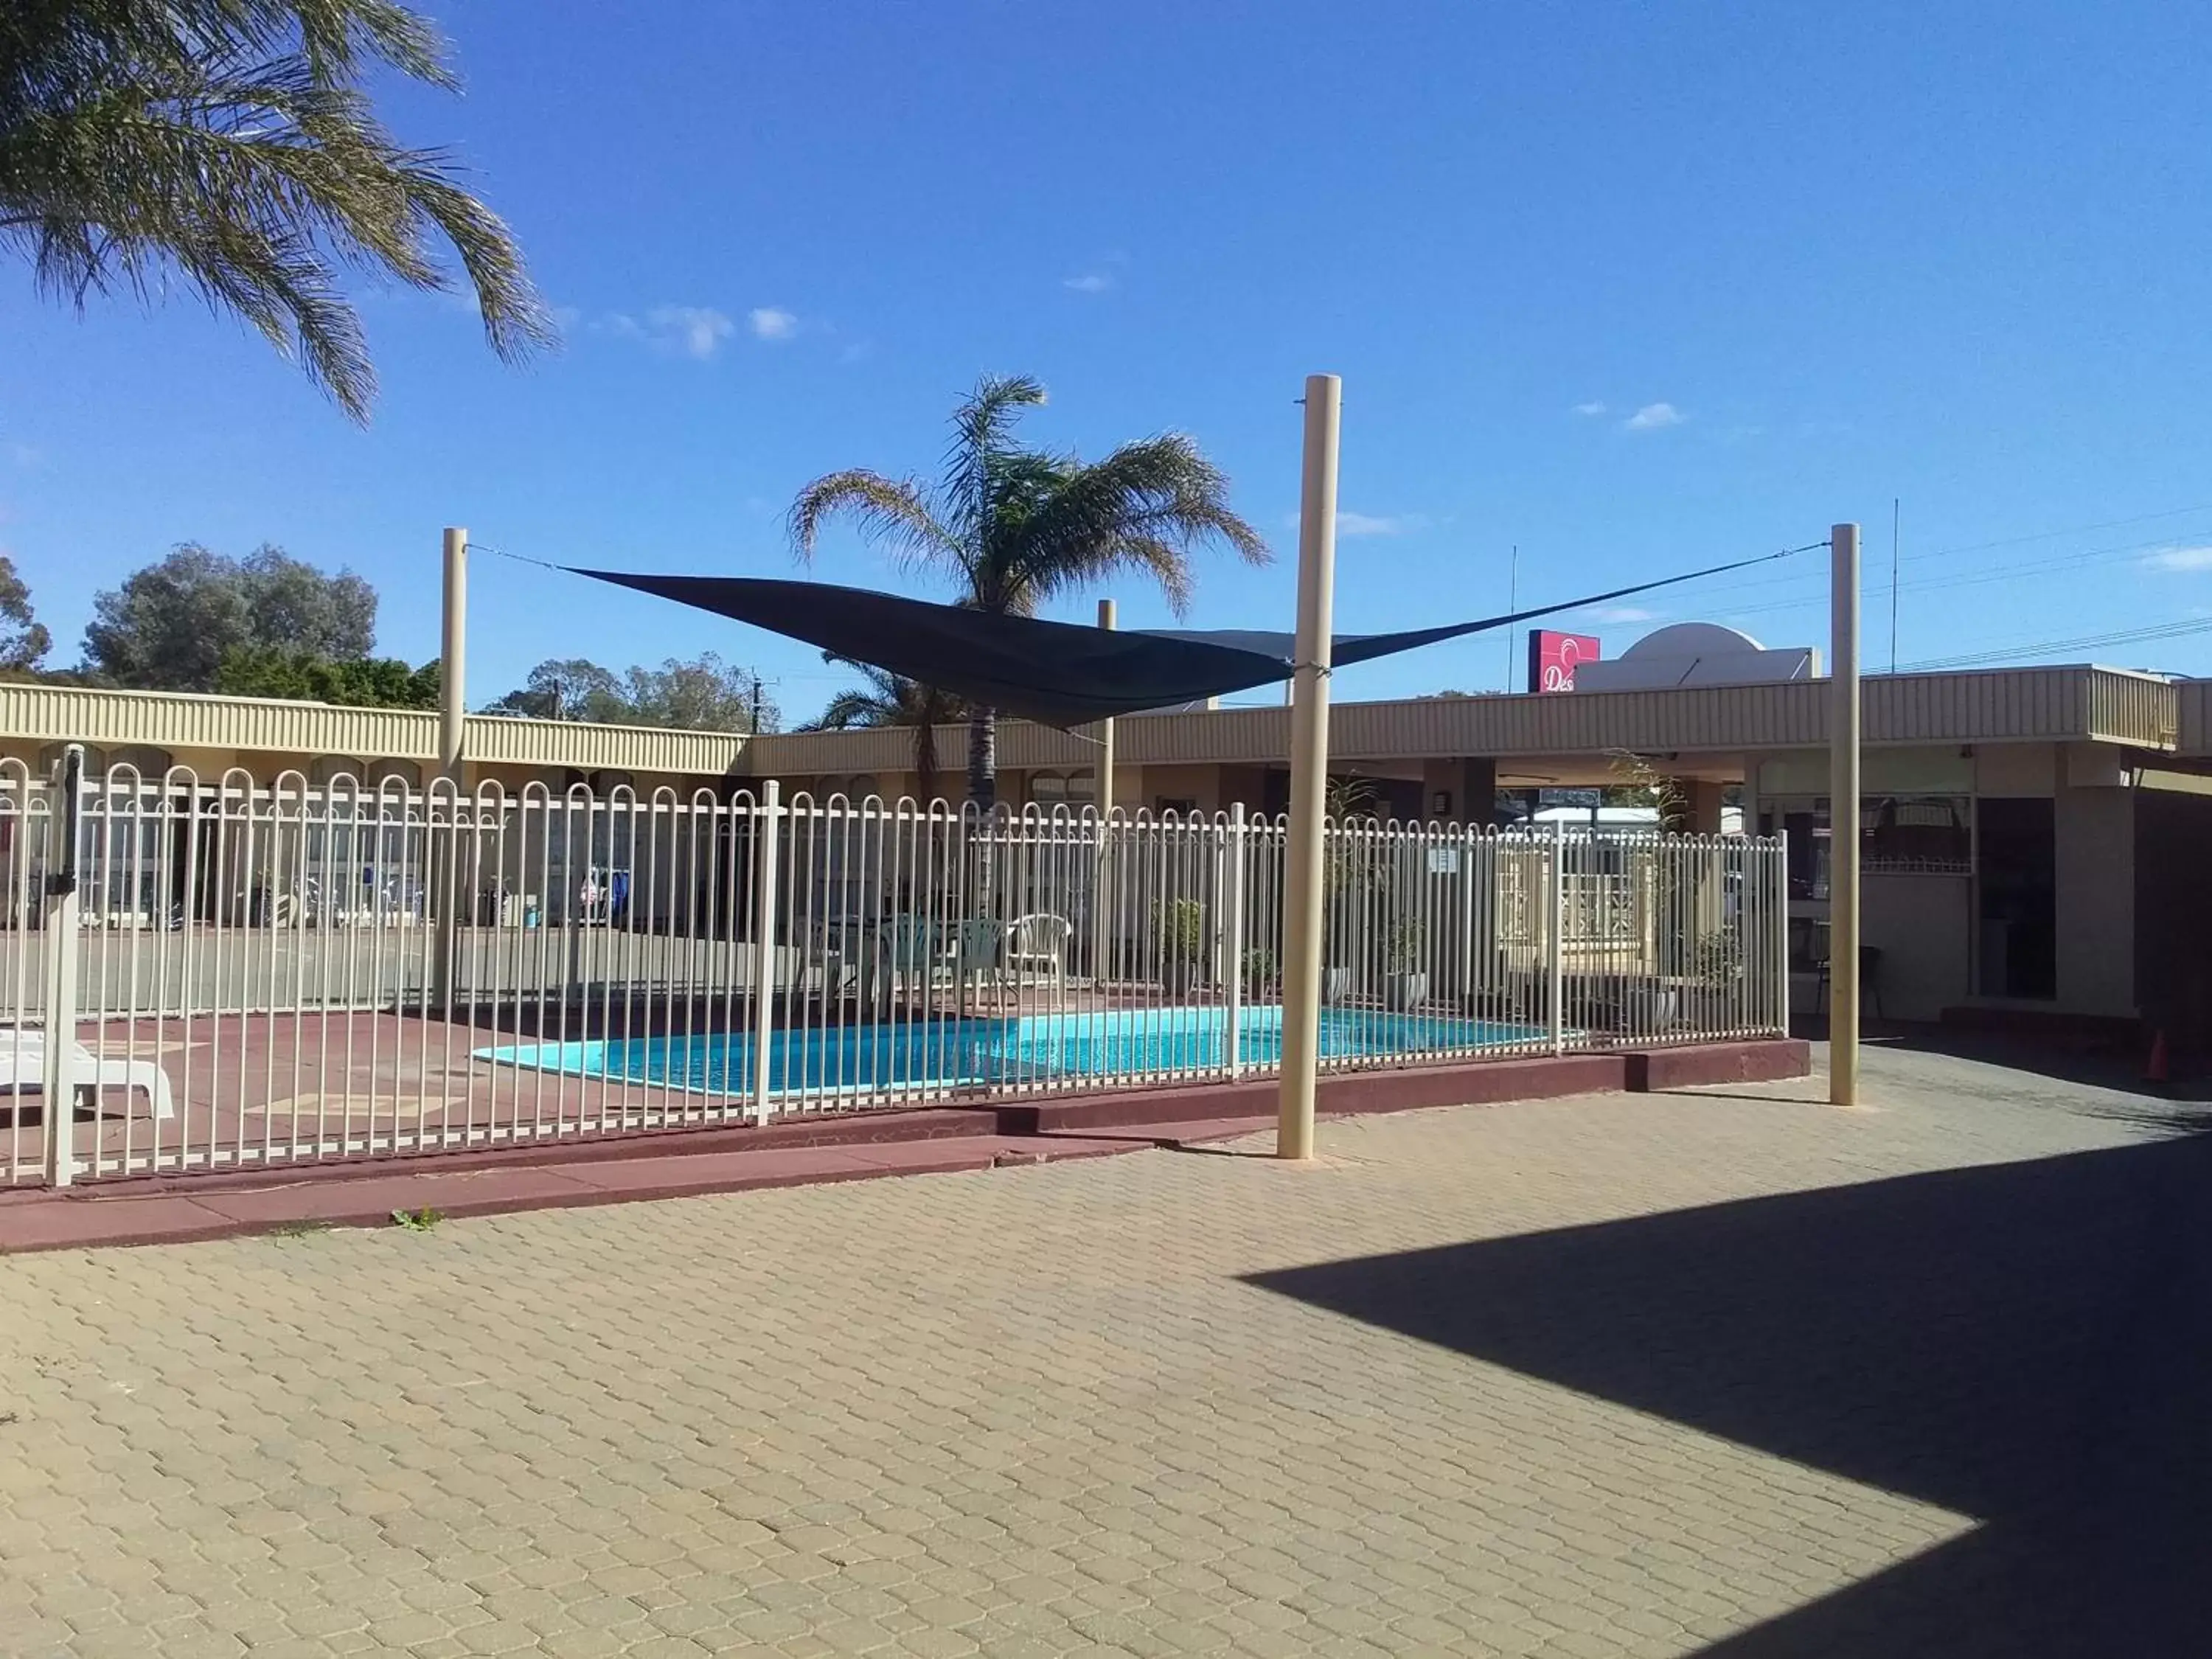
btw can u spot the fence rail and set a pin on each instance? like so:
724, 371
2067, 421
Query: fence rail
244, 976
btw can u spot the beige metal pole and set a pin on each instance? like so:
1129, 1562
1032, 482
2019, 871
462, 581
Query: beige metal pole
1844, 818
1302, 874
452, 649
1102, 917
1103, 791
452, 716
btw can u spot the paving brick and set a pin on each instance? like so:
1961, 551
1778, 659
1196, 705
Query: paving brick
1028, 1414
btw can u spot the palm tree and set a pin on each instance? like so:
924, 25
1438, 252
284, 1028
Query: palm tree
890, 700
230, 142
1018, 527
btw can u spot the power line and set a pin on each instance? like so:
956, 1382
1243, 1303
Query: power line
2172, 630
2060, 565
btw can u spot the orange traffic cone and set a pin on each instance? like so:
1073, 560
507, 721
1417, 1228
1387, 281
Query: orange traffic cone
2154, 1069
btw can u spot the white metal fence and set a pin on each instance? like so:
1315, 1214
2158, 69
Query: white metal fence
228, 974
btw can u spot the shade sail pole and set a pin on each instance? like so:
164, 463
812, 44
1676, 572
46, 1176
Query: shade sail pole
1302, 876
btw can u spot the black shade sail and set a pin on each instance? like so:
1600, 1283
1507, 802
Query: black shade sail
1060, 674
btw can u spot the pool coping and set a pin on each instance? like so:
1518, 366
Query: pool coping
696, 1161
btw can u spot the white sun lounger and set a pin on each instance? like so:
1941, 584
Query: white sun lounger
23, 1068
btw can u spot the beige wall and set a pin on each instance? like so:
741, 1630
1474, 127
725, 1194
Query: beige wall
1921, 925
2095, 832
1200, 784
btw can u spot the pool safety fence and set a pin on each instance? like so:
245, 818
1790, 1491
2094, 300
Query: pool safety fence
217, 973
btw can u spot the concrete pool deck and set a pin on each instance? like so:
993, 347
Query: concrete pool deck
861, 1146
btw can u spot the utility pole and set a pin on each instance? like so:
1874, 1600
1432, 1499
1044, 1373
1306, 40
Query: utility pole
1301, 874
1844, 818
1512, 603
1896, 514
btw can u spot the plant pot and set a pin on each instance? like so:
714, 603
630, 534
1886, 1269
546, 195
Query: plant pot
1336, 984
1180, 976
1403, 991
1651, 1007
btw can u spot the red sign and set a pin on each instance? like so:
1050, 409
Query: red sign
1553, 657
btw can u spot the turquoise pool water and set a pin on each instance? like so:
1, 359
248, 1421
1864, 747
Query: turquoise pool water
953, 1052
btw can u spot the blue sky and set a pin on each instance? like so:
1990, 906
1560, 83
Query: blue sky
1634, 286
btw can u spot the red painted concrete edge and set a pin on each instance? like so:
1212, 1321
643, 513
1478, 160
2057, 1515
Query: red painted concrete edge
87, 1221
1220, 1109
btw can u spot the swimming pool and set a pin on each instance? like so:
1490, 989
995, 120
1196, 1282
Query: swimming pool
1122, 1044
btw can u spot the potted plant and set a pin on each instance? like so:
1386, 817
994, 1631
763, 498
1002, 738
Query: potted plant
1261, 974
1406, 982
1716, 973
1348, 886
1179, 927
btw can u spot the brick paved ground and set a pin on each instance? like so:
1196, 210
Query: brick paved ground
1548, 1400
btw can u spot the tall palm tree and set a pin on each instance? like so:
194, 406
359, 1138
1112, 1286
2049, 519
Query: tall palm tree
230, 142
890, 700
1018, 527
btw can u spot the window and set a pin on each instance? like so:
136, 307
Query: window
1074, 789
1915, 835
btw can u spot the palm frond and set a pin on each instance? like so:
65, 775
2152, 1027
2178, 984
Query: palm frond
893, 513
225, 140
1145, 507
851, 711
982, 437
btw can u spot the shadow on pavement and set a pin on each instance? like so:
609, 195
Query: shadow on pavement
2027, 1344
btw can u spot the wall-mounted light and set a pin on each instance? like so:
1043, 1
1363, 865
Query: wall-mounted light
1440, 803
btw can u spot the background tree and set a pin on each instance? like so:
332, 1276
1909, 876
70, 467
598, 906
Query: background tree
886, 700
703, 695
23, 638
301, 676
1016, 528
566, 689
169, 626
232, 143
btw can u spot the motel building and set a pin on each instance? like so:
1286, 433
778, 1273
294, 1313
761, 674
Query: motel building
2034, 840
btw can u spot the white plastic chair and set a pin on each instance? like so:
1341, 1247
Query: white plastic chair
23, 1069
1037, 943
972, 955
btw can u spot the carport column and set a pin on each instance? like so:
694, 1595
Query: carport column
57, 1100
452, 722
1844, 819
1301, 871
768, 828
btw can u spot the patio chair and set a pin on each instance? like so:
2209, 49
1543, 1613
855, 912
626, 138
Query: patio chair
23, 1069
1869, 977
973, 954
908, 954
1037, 943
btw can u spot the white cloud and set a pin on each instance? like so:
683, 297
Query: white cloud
1652, 416
1625, 613
1594, 407
771, 323
1092, 281
1350, 525
2180, 558
566, 317
695, 330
